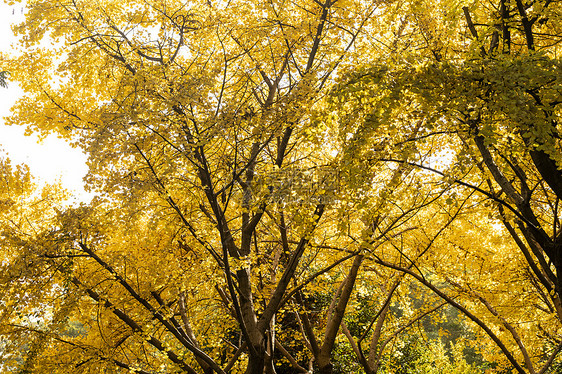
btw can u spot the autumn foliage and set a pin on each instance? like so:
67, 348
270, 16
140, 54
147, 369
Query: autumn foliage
336, 186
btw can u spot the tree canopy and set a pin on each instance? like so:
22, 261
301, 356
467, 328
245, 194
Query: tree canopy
333, 186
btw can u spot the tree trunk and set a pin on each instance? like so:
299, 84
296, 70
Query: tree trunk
256, 361
325, 369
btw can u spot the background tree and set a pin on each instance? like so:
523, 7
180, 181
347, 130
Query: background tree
4, 79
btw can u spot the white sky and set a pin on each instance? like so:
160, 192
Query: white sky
50, 160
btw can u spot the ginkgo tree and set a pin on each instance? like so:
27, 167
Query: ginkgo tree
485, 84
26, 211
247, 205
217, 211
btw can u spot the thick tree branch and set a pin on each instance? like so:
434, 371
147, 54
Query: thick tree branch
156, 313
334, 323
137, 328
